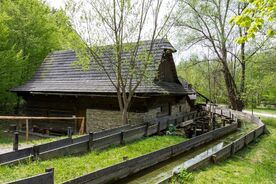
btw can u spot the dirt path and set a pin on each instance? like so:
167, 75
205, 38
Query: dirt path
5, 149
261, 114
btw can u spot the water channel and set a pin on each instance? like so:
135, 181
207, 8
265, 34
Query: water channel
166, 169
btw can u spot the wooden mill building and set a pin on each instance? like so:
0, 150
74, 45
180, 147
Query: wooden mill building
59, 88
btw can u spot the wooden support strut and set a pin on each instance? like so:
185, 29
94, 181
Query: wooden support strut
122, 141
15, 141
69, 132
158, 128
36, 152
50, 170
147, 129
27, 130
91, 139
82, 126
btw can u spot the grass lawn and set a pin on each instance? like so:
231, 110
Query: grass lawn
70, 167
263, 110
253, 165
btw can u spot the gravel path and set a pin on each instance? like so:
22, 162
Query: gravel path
261, 114
6, 149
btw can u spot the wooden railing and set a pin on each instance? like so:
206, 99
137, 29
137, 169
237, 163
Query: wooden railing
27, 118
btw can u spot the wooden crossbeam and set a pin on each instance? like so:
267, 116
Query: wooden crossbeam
39, 118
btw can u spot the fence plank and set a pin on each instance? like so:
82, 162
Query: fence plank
46, 178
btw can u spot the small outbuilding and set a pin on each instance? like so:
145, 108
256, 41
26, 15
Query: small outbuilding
59, 88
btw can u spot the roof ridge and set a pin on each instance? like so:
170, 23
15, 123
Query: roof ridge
161, 40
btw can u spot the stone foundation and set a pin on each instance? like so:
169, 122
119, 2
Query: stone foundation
105, 119
97, 119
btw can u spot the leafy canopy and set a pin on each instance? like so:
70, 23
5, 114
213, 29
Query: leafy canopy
258, 15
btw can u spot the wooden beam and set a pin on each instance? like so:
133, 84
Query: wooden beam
38, 118
27, 130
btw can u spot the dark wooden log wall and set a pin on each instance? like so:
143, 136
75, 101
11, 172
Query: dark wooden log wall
53, 105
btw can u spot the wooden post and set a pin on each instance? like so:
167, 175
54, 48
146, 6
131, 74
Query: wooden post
232, 148
36, 152
15, 141
158, 128
69, 132
239, 124
147, 129
27, 130
122, 141
51, 171
214, 159
194, 130
91, 139
82, 126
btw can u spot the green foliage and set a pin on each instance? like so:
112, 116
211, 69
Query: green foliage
171, 130
207, 80
183, 177
261, 79
29, 31
70, 167
255, 17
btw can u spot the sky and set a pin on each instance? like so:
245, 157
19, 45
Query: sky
181, 54
55, 3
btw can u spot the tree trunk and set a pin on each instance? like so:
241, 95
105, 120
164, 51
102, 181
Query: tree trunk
233, 95
234, 98
125, 115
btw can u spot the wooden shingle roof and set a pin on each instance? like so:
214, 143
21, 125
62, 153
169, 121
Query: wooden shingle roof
57, 74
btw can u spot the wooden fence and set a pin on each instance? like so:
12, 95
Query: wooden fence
46, 178
231, 148
128, 167
97, 140
27, 118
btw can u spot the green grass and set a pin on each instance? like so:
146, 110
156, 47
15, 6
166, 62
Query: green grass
253, 165
70, 167
263, 110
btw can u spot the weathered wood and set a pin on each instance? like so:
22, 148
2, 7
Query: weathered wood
121, 170
15, 141
27, 129
38, 118
46, 178
15, 155
99, 141
54, 145
69, 132
66, 150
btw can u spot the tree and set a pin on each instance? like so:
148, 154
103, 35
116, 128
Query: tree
122, 24
208, 25
262, 74
205, 77
29, 31
255, 16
